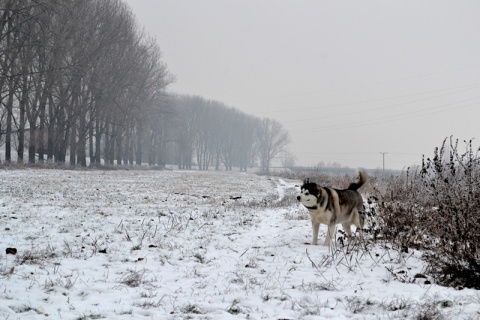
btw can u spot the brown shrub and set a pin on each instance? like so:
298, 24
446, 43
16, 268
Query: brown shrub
437, 209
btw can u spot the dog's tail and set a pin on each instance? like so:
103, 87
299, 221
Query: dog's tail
362, 179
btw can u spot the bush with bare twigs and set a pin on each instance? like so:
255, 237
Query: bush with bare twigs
436, 209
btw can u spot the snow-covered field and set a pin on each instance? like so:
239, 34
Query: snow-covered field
193, 245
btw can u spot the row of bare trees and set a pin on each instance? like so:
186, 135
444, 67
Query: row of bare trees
77, 73
213, 134
80, 81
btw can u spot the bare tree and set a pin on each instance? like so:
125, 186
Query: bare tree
185, 130
272, 138
223, 136
287, 160
79, 73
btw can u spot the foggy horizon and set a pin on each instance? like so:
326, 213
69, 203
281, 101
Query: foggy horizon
349, 80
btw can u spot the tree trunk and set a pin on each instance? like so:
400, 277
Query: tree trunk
91, 148
111, 146
138, 157
62, 138
119, 149
31, 146
8, 136
98, 141
131, 150
106, 148
21, 129
81, 143
73, 144
41, 130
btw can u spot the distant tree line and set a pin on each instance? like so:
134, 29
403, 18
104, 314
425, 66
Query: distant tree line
215, 135
79, 80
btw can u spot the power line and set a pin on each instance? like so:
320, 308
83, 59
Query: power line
355, 87
378, 108
391, 118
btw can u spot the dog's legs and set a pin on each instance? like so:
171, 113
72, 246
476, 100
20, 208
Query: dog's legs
360, 232
361, 218
330, 234
359, 222
347, 229
360, 227
315, 227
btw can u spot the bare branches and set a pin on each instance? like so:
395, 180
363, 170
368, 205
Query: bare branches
69, 67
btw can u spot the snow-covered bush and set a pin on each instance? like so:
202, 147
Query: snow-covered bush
437, 209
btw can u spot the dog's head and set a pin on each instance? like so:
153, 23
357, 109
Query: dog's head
309, 193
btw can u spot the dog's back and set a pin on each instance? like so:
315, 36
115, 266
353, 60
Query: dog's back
349, 199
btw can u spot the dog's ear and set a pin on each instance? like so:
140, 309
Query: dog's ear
317, 189
306, 181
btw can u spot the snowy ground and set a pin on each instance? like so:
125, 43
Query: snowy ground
176, 245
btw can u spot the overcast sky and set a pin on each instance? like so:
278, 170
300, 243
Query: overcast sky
347, 79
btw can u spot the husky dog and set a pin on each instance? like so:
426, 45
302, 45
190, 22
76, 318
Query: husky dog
332, 206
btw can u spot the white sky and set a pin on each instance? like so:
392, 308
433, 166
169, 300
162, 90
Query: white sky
348, 79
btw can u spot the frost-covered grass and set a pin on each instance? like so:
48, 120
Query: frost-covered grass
175, 245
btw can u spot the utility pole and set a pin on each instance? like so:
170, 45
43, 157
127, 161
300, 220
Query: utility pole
383, 154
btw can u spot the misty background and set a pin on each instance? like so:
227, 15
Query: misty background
347, 79
217, 84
